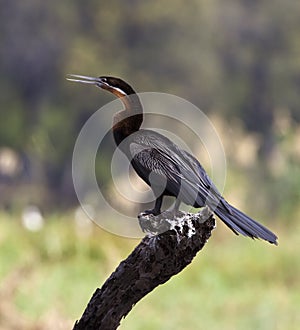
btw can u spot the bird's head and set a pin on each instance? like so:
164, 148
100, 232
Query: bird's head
125, 121
114, 85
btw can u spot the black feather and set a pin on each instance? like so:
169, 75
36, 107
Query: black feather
152, 154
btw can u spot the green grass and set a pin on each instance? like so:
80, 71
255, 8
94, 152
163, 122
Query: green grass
48, 277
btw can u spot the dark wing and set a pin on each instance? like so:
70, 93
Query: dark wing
155, 169
214, 196
186, 179
181, 172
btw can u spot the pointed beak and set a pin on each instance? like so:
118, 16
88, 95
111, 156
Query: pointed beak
99, 82
85, 79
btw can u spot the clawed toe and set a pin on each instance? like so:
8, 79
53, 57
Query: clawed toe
152, 211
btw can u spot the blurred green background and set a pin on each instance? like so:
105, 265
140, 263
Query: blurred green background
239, 62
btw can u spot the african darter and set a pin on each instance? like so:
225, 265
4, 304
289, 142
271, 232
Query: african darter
167, 169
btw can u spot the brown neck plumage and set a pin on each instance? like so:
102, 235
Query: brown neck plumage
129, 120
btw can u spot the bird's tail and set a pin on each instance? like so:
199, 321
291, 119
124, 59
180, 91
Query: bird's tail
240, 223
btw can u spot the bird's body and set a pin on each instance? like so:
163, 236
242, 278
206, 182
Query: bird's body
169, 170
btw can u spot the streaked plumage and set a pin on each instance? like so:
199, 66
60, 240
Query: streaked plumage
169, 170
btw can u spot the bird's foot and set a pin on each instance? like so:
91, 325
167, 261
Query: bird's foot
154, 212
153, 222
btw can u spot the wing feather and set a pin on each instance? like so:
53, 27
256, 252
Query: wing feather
186, 178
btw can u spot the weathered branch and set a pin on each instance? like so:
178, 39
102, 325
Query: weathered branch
153, 262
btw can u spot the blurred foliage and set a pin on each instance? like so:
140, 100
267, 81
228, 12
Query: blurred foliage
237, 58
47, 278
239, 62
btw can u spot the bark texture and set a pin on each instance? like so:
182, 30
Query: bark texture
170, 245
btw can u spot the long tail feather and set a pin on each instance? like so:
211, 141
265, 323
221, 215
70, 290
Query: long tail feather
240, 223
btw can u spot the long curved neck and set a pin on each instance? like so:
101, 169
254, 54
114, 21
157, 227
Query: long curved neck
129, 120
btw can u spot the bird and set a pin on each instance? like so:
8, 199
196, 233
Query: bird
165, 167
